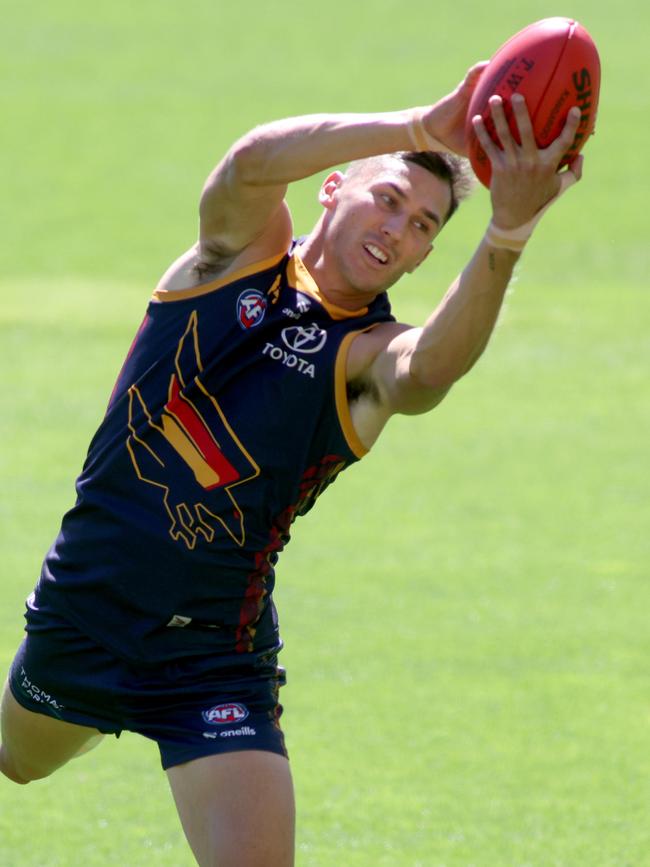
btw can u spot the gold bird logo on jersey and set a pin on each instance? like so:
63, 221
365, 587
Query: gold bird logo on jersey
190, 452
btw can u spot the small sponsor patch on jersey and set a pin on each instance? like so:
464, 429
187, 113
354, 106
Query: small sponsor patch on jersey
225, 714
251, 307
303, 304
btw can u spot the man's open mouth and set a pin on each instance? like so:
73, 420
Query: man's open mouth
377, 254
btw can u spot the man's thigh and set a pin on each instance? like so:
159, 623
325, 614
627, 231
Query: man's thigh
34, 745
51, 708
237, 808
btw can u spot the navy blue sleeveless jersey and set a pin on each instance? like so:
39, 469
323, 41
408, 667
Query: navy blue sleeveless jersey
228, 419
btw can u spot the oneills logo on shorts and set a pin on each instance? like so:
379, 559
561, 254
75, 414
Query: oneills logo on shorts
231, 733
251, 307
225, 714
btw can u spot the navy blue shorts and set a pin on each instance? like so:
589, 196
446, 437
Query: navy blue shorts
191, 707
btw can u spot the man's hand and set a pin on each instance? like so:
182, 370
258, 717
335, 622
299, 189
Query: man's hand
445, 120
524, 177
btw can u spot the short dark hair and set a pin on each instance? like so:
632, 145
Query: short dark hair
448, 167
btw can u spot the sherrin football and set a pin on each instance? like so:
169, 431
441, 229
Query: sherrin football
554, 64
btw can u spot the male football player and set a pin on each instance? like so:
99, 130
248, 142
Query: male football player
263, 367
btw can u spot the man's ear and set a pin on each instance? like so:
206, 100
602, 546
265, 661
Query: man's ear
331, 186
422, 258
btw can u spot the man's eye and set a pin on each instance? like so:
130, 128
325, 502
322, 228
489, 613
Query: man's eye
387, 199
420, 226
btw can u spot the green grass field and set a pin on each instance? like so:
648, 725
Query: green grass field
465, 613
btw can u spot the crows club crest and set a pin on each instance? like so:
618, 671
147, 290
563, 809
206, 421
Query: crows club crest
189, 452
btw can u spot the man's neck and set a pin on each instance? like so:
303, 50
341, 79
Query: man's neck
329, 280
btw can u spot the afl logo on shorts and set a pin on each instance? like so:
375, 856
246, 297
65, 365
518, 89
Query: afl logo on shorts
225, 714
251, 307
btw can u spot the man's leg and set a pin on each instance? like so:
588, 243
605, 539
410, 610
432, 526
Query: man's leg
237, 809
34, 745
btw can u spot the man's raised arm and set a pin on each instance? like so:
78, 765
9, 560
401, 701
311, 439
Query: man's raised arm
242, 203
417, 366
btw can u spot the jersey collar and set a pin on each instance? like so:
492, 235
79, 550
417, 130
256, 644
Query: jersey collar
299, 278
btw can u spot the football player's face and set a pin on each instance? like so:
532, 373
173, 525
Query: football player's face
383, 221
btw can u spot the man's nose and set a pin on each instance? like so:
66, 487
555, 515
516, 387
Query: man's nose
394, 226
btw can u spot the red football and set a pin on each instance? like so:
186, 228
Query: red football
554, 63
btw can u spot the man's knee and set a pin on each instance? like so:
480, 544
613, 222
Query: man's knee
18, 773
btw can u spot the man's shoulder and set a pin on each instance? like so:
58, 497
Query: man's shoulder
193, 270
368, 344
207, 261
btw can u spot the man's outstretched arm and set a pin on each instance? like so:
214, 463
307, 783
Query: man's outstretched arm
416, 367
242, 203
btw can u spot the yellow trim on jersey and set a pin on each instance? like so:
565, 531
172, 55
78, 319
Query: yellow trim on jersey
341, 396
196, 291
299, 278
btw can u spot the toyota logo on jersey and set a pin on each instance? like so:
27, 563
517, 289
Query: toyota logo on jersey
300, 339
225, 714
251, 307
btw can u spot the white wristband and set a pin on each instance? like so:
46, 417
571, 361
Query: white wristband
506, 239
515, 239
420, 138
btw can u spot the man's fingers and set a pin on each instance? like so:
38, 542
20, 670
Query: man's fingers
575, 166
485, 139
526, 153
562, 143
573, 173
474, 73
524, 125
497, 111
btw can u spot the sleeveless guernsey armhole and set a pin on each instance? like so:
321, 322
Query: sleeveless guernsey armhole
341, 396
195, 291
